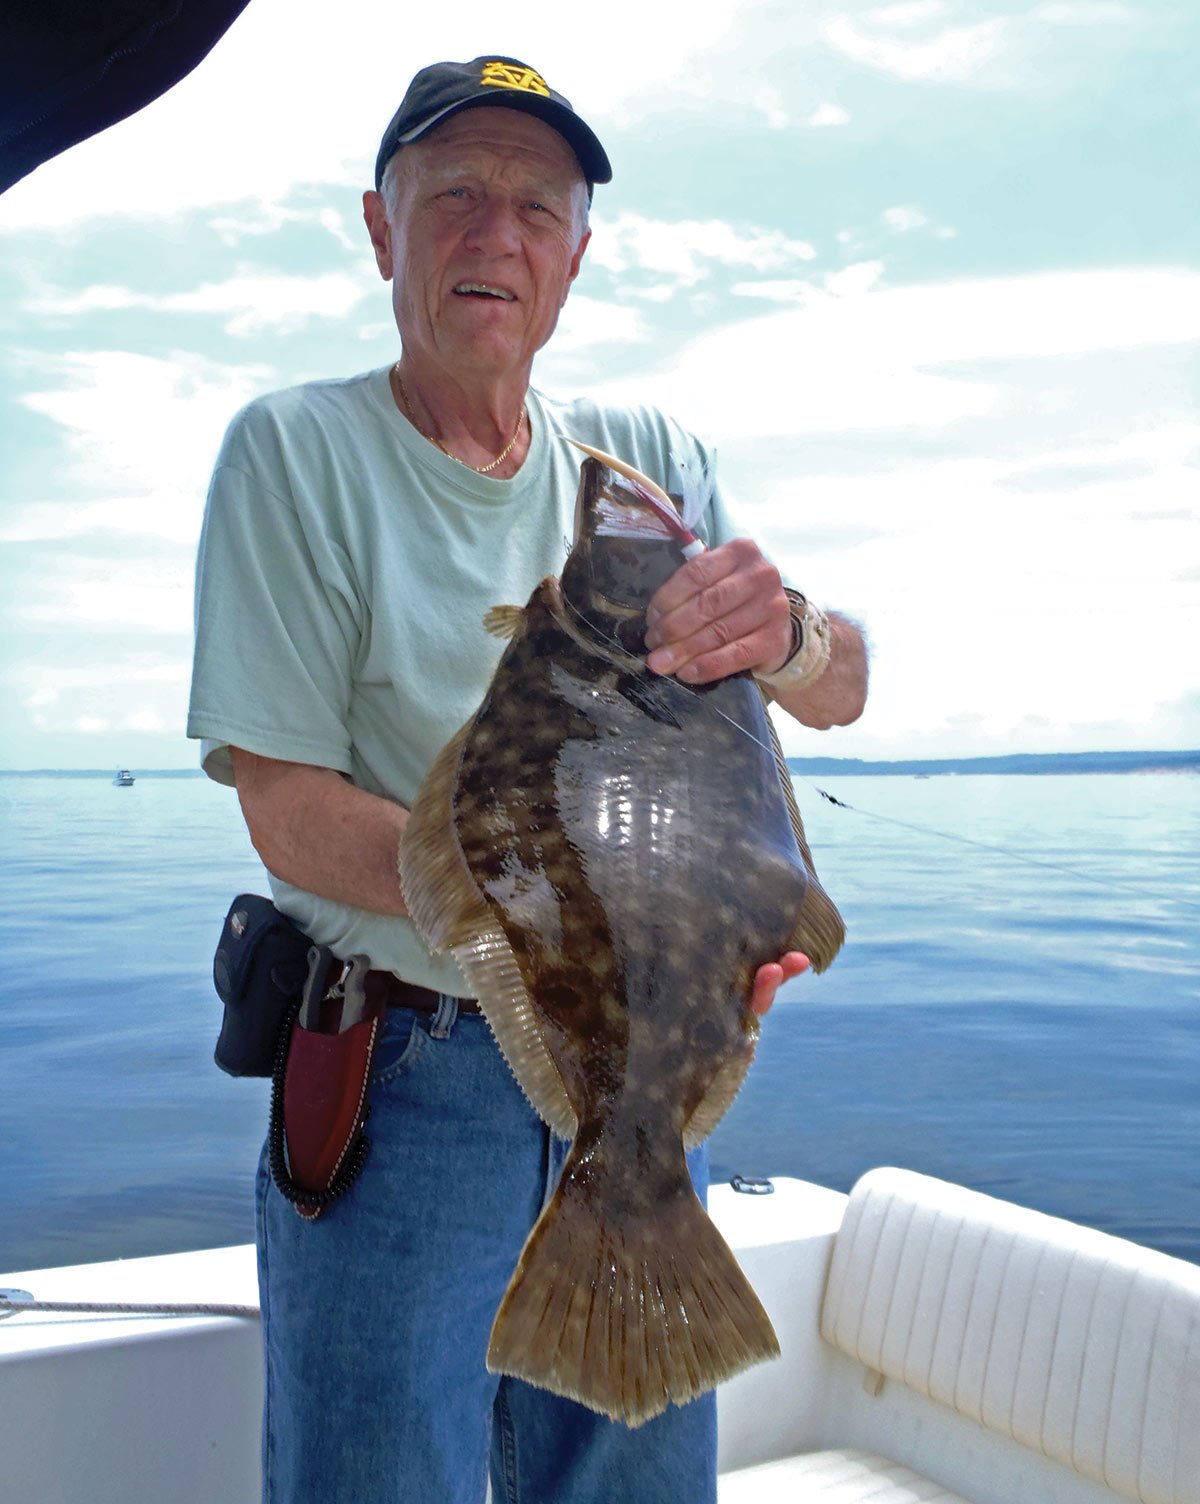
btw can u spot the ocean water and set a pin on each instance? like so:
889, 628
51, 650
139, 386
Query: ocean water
1017, 1007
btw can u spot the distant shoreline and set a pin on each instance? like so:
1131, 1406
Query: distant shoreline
845, 767
1013, 762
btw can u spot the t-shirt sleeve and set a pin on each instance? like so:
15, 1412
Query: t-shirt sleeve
277, 625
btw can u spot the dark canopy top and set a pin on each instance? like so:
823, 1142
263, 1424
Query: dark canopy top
69, 68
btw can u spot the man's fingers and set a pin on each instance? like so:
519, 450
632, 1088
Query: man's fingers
769, 978
695, 662
701, 573
711, 586
730, 614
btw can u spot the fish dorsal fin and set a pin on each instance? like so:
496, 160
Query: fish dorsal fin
504, 621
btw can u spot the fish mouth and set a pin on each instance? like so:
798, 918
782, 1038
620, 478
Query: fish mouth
483, 290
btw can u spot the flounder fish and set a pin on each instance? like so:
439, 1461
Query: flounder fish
610, 856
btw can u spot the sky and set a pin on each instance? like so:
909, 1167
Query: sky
927, 275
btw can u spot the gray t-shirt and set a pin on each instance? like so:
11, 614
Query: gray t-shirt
345, 568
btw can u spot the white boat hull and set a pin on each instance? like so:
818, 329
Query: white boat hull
119, 1410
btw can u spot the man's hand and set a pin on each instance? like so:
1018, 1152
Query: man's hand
769, 978
725, 611
720, 613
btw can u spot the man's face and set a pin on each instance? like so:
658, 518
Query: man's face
483, 241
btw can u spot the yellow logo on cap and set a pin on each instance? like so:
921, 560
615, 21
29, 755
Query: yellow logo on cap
508, 76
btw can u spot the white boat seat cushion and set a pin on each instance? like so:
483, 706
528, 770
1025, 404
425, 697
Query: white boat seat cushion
839, 1477
1081, 1346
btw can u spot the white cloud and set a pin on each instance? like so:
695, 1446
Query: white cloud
852, 282
267, 219
166, 515
656, 292
770, 103
107, 592
904, 217
137, 425
119, 693
38, 686
145, 720
253, 304
856, 355
774, 289
896, 220
1085, 13
688, 250
912, 13
828, 115
988, 606
586, 322
957, 54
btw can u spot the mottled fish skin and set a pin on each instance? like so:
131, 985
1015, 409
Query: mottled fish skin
629, 873
629, 845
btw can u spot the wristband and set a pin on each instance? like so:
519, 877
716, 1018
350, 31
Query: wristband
811, 648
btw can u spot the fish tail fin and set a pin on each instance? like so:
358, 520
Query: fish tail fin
628, 1320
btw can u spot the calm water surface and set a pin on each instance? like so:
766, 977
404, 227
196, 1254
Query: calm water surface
1031, 1030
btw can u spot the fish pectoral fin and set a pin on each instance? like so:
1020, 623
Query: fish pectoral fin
504, 621
629, 1319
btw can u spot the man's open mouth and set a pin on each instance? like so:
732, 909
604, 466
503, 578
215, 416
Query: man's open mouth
484, 290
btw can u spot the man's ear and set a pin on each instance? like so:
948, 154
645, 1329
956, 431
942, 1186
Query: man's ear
380, 230
576, 263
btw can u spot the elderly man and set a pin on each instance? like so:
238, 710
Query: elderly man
356, 534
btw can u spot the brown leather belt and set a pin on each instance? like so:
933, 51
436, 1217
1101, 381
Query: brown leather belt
391, 992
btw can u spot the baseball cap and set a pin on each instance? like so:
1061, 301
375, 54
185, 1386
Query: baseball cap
443, 89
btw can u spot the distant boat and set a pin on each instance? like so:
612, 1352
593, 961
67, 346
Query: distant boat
123, 778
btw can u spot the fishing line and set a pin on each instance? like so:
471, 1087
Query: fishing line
1008, 851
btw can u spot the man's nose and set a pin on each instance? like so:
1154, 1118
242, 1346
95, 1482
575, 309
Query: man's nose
494, 227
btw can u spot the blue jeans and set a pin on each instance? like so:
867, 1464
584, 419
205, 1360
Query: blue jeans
376, 1318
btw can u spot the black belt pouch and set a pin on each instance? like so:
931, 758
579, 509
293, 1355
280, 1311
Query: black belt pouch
258, 970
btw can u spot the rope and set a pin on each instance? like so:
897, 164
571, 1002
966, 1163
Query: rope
9, 1307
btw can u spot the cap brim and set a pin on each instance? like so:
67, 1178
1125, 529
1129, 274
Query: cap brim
592, 158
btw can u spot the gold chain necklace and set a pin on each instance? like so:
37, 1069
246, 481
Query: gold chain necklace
478, 469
